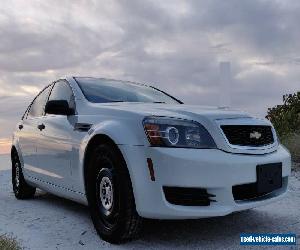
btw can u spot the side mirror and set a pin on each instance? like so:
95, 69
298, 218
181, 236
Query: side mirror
58, 107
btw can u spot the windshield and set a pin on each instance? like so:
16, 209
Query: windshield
103, 91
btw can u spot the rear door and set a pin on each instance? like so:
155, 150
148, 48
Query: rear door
28, 133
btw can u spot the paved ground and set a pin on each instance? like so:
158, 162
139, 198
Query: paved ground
48, 222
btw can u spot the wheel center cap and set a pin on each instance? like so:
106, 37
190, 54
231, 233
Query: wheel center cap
106, 193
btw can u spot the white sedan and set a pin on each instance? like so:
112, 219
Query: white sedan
130, 151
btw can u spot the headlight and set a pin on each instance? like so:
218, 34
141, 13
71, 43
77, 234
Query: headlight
171, 132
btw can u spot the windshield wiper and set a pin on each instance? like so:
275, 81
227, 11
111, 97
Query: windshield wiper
158, 102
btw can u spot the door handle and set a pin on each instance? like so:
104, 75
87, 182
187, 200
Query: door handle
41, 126
21, 126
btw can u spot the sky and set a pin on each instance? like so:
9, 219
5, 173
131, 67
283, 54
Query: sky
177, 46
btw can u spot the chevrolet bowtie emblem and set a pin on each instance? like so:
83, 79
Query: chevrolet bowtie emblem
255, 135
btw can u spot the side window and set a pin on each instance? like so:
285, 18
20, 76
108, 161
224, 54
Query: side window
62, 91
38, 105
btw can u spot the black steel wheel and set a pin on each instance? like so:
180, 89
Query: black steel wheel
110, 196
21, 189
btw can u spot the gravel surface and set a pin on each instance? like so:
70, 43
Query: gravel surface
296, 170
49, 222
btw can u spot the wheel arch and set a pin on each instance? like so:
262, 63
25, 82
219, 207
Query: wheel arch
15, 149
94, 141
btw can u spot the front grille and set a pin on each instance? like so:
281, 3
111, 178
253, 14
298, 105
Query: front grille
247, 192
188, 196
248, 135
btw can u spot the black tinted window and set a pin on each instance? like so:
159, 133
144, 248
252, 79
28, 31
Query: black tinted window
62, 91
103, 90
38, 106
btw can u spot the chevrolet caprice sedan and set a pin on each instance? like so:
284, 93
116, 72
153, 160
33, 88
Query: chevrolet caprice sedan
130, 151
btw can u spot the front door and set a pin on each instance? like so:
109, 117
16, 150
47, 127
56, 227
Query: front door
55, 147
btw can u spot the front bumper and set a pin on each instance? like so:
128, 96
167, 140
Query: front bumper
212, 169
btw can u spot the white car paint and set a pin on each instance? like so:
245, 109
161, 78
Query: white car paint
53, 159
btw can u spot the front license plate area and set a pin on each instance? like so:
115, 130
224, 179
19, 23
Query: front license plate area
269, 177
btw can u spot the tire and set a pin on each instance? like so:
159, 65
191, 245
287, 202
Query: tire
110, 196
21, 189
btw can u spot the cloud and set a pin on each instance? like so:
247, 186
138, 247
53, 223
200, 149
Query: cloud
172, 44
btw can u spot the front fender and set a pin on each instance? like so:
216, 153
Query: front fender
121, 132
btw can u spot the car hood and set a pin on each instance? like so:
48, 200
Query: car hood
177, 110
212, 118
